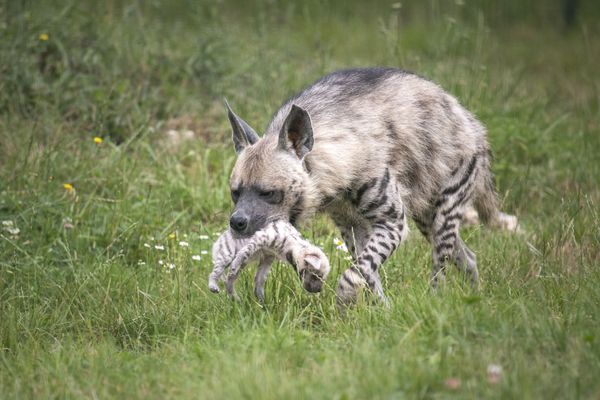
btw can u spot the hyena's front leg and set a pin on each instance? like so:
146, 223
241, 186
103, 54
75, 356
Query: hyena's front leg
379, 202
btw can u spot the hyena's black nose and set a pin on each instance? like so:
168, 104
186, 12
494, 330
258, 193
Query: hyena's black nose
238, 223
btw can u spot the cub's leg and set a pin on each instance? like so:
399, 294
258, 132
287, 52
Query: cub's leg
447, 215
222, 255
378, 202
260, 278
241, 259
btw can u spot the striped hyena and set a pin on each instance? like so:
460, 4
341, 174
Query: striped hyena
371, 148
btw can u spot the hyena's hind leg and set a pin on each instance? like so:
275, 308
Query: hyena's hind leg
264, 266
466, 261
447, 215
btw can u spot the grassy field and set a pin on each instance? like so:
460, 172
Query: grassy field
98, 297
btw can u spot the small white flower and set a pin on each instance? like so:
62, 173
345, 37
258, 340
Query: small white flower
203, 237
146, 245
204, 252
171, 266
216, 234
140, 262
349, 258
342, 247
160, 262
7, 223
184, 244
494, 372
159, 247
151, 238
337, 241
196, 257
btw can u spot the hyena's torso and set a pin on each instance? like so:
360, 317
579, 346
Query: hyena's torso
371, 147
368, 121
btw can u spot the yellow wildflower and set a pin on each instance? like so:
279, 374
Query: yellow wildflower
44, 37
172, 236
98, 140
68, 187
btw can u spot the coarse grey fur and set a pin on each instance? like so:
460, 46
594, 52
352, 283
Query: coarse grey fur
371, 147
277, 239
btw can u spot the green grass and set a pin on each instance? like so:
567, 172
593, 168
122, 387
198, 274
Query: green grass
86, 310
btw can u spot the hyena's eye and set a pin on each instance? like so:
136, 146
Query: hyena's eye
235, 195
272, 196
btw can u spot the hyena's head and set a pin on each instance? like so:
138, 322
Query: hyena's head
269, 181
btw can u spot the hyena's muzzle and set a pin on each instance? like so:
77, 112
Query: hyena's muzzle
253, 208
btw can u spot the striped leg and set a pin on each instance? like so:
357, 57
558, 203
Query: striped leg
379, 203
448, 213
261, 276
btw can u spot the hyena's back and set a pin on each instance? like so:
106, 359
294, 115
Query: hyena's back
368, 120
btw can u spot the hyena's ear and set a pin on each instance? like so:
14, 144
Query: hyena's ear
297, 134
243, 134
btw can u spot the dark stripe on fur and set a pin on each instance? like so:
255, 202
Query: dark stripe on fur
454, 188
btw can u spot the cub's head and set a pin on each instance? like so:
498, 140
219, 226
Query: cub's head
313, 268
269, 181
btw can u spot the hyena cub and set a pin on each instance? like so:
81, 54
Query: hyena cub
277, 239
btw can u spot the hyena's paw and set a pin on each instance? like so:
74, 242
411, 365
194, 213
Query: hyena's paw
438, 279
213, 286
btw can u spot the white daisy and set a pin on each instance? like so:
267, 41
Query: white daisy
342, 247
183, 244
337, 241
196, 257
159, 247
203, 237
